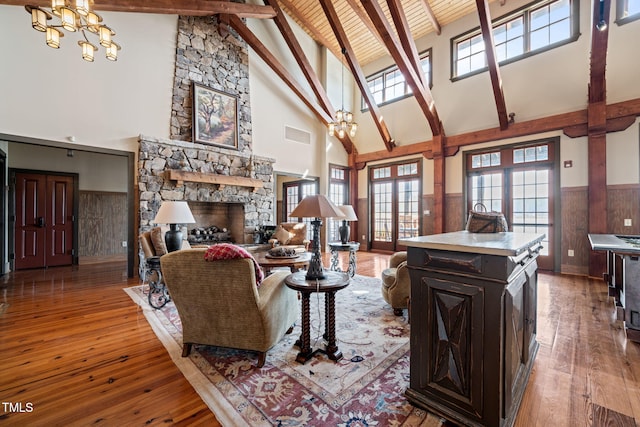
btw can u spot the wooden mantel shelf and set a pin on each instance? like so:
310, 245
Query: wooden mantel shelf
212, 178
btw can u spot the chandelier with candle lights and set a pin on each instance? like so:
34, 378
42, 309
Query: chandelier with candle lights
74, 16
344, 119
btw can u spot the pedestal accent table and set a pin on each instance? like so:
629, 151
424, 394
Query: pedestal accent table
352, 248
332, 283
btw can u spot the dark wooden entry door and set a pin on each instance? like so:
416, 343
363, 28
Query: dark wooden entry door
44, 220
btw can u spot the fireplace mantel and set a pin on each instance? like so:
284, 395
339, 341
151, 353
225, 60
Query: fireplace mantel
221, 180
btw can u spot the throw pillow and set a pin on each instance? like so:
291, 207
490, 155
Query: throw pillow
282, 235
157, 240
230, 251
299, 234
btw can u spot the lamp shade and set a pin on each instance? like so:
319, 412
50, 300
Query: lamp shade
174, 212
316, 206
348, 214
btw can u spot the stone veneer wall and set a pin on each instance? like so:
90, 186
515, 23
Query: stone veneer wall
157, 156
215, 61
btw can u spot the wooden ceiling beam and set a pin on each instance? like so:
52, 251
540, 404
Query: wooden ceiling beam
300, 57
406, 40
170, 7
361, 80
431, 16
422, 94
288, 79
618, 112
453, 143
494, 69
315, 32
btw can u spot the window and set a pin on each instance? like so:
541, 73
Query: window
527, 31
390, 84
627, 11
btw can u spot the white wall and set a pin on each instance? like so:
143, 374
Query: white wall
274, 105
97, 172
53, 94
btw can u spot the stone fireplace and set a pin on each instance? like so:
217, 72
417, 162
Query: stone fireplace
224, 188
178, 169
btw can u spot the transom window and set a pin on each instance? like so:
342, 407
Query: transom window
389, 85
532, 29
627, 11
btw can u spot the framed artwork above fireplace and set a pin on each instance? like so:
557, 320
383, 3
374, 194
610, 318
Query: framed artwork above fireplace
215, 117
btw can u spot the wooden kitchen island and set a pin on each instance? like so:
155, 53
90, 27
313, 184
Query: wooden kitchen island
473, 323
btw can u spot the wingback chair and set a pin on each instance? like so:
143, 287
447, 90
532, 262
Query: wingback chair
396, 284
219, 303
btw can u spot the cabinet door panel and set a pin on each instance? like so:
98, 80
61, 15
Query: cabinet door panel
515, 346
455, 322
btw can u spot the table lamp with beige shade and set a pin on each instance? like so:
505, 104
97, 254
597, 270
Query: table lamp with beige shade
316, 206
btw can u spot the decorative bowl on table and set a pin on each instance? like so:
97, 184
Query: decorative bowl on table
280, 252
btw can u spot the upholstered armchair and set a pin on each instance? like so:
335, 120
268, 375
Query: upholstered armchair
219, 303
291, 235
396, 284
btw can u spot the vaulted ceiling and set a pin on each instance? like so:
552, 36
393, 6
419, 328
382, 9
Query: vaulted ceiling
422, 17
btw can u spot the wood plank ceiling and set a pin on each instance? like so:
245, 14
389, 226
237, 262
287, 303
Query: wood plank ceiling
423, 17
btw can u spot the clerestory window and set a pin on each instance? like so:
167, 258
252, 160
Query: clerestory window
535, 28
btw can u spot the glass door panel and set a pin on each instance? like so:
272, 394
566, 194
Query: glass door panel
382, 216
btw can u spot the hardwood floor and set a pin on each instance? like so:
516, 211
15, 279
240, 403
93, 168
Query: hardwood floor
75, 350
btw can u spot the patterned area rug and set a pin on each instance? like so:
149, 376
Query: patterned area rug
365, 388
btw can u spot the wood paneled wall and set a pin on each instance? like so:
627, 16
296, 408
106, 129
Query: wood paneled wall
102, 225
575, 227
623, 202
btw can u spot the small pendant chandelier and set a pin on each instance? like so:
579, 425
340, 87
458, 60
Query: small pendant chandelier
74, 16
344, 119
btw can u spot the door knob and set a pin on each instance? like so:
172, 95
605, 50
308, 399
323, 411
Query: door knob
40, 222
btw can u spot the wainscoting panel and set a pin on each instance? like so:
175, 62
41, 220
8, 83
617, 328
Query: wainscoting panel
102, 226
575, 227
454, 208
623, 202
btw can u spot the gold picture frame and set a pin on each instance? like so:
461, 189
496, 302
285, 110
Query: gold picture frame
215, 117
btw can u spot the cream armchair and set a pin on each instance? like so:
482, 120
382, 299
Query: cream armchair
220, 305
396, 284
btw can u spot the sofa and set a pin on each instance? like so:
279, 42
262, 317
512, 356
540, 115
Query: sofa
220, 303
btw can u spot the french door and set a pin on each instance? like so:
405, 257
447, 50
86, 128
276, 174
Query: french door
518, 181
395, 204
294, 192
43, 220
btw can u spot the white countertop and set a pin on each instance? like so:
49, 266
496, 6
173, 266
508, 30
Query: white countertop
611, 242
503, 244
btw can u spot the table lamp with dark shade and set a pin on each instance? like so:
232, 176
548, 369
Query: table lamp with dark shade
348, 214
174, 213
316, 206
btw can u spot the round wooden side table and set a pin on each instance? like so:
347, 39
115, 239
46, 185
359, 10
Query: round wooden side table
332, 283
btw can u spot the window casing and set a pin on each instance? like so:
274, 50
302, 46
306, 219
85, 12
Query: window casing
627, 11
390, 85
538, 27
